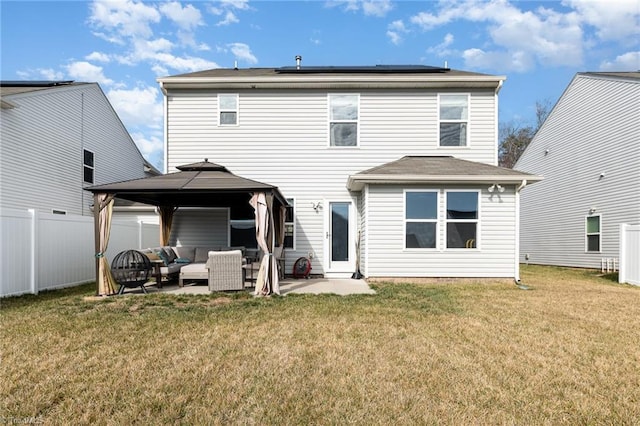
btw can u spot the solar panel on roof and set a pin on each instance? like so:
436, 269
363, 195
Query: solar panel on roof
362, 69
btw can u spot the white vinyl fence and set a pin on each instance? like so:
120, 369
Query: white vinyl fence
44, 251
629, 268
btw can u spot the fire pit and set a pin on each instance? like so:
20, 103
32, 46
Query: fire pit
131, 269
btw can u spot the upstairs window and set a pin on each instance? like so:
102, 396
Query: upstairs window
593, 233
454, 120
421, 219
228, 109
88, 166
343, 120
290, 225
462, 219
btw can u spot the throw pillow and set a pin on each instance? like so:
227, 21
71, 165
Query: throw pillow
152, 256
182, 260
162, 255
171, 255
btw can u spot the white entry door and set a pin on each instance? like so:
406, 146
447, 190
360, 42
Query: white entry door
340, 231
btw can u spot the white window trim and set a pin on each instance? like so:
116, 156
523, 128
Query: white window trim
405, 220
292, 201
586, 234
85, 165
468, 121
477, 221
237, 110
329, 121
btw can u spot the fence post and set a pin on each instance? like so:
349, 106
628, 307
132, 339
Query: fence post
33, 266
622, 262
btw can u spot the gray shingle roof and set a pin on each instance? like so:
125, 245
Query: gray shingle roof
437, 169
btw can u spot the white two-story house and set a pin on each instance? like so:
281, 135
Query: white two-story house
391, 170
59, 137
588, 151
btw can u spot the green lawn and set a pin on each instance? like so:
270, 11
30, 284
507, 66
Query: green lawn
565, 352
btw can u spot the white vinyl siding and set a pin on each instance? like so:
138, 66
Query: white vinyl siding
42, 148
385, 225
283, 141
200, 227
593, 129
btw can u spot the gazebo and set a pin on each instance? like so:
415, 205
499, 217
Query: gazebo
202, 184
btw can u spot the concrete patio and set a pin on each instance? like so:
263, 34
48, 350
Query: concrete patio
340, 287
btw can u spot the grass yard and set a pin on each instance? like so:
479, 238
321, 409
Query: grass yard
565, 352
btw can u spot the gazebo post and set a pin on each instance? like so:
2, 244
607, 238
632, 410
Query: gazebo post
97, 242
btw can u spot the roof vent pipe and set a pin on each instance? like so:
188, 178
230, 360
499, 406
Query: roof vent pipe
298, 60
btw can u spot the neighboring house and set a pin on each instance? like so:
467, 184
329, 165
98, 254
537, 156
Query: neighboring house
58, 137
391, 167
588, 151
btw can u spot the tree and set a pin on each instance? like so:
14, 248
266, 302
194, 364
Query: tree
515, 137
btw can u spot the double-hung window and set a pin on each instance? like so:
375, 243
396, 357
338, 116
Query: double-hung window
454, 120
88, 166
592, 225
290, 225
343, 120
421, 219
462, 219
228, 109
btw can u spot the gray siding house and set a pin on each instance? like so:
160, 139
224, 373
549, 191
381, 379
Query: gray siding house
58, 137
389, 168
588, 151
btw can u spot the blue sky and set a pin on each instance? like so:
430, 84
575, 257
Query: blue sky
125, 45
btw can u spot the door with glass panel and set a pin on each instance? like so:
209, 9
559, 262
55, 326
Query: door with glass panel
339, 234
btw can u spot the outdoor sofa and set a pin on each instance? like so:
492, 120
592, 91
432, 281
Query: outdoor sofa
185, 262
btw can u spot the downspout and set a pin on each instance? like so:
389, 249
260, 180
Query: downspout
165, 110
517, 244
496, 124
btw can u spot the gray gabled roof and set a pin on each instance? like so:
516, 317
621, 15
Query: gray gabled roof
202, 184
361, 77
436, 169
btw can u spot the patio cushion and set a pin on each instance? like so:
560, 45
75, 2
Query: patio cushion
171, 255
185, 252
163, 255
202, 254
151, 255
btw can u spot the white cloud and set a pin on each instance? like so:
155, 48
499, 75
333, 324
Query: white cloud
369, 7
508, 61
613, 20
236, 4
243, 52
187, 18
526, 37
376, 7
442, 49
629, 61
124, 18
85, 71
40, 74
151, 145
138, 107
98, 56
395, 31
229, 18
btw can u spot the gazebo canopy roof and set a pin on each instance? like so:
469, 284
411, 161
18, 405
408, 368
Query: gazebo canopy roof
201, 184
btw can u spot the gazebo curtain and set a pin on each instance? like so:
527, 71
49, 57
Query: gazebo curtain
103, 207
267, 281
166, 219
